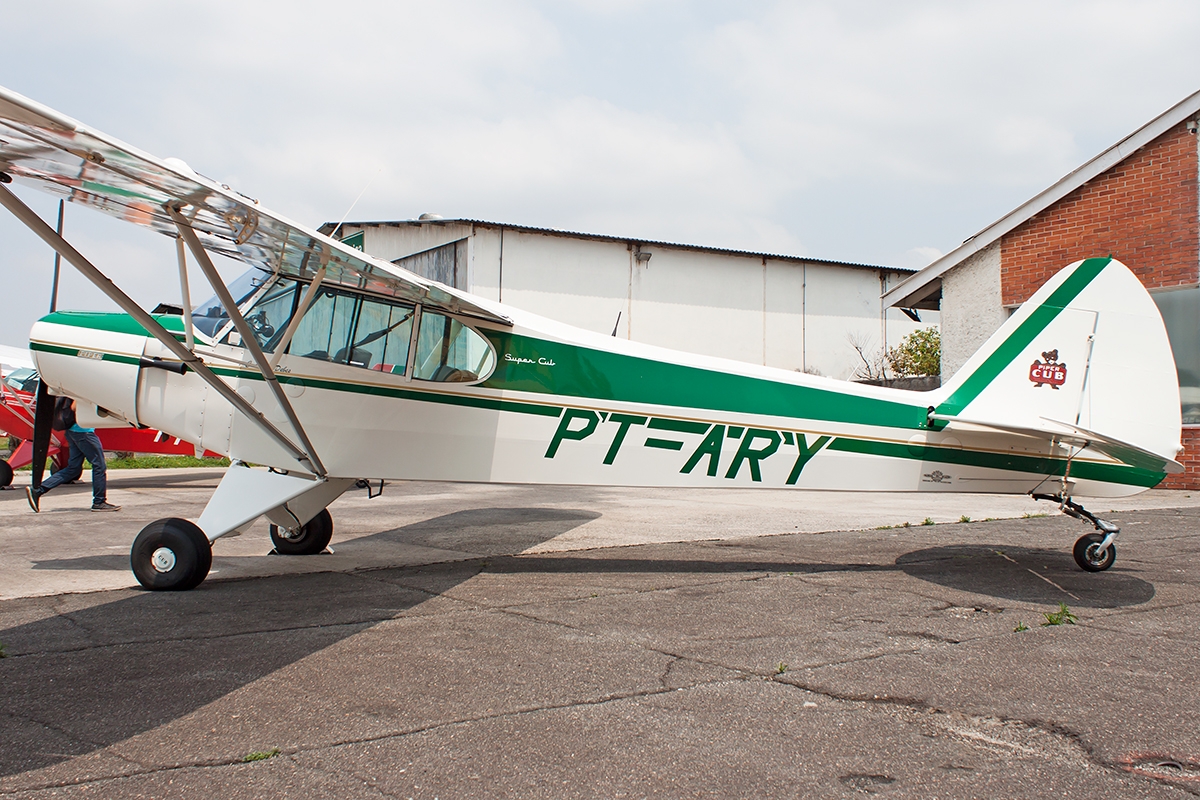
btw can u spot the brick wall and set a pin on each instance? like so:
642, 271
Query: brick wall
1143, 212
1190, 458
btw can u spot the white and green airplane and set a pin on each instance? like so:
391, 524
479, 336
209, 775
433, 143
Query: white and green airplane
335, 370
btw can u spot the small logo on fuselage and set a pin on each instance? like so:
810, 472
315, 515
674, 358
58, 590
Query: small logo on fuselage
1049, 372
542, 362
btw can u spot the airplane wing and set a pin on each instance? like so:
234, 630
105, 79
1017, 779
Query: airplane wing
15, 357
59, 155
1069, 433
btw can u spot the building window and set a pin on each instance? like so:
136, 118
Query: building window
1181, 313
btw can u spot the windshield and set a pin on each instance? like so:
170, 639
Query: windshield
210, 316
23, 378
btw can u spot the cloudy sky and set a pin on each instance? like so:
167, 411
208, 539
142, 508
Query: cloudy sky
880, 132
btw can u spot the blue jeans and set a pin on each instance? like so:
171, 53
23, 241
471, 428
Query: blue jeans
83, 445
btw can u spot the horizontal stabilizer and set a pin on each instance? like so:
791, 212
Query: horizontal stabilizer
1067, 433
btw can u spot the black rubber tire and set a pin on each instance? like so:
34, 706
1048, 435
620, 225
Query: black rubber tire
1085, 558
6, 474
314, 537
186, 542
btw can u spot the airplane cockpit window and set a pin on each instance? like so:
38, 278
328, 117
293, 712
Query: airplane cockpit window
209, 317
269, 315
382, 336
324, 332
347, 328
451, 352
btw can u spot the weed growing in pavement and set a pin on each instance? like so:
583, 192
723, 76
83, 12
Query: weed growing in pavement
1021, 626
261, 755
928, 521
964, 518
906, 524
1061, 617
2, 653
781, 668
1030, 515
884, 527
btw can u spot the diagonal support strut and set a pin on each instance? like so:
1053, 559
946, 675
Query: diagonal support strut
249, 341
61, 246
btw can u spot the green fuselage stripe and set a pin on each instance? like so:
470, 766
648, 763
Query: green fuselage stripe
1035, 465
599, 375
1033, 325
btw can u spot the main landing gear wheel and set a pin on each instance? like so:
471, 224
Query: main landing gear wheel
311, 538
171, 555
5, 474
1088, 555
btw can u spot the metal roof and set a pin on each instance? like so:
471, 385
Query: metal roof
927, 282
329, 226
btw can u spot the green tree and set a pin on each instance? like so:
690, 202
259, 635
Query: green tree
919, 353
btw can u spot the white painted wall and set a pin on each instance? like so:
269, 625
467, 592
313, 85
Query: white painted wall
783, 313
971, 307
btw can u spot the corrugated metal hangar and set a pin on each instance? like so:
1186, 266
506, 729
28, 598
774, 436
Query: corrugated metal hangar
781, 311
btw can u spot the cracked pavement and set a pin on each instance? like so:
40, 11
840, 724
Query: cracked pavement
840, 664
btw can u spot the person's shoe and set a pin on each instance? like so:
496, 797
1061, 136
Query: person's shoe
105, 507
32, 495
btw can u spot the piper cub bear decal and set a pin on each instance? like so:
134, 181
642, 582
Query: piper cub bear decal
1051, 372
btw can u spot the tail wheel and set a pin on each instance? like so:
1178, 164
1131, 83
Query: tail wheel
311, 538
6, 474
171, 555
1088, 556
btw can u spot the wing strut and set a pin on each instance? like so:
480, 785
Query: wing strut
61, 246
248, 339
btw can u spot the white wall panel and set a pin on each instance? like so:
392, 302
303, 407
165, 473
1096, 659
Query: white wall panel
783, 329
578, 281
699, 302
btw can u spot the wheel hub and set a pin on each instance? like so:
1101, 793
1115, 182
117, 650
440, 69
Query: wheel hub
163, 559
1096, 555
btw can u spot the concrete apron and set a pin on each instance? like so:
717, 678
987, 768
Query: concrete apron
67, 548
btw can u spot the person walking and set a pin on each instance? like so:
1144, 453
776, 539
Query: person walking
84, 443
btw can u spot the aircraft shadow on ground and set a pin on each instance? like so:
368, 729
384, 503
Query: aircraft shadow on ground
486, 531
92, 677
109, 562
1031, 575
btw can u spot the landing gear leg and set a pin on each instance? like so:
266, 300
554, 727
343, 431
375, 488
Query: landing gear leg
1094, 552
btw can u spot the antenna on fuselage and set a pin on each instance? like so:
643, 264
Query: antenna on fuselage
338, 227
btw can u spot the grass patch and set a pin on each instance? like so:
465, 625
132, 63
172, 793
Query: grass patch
153, 461
2, 653
1021, 626
261, 755
1061, 617
964, 518
1028, 515
149, 461
928, 521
